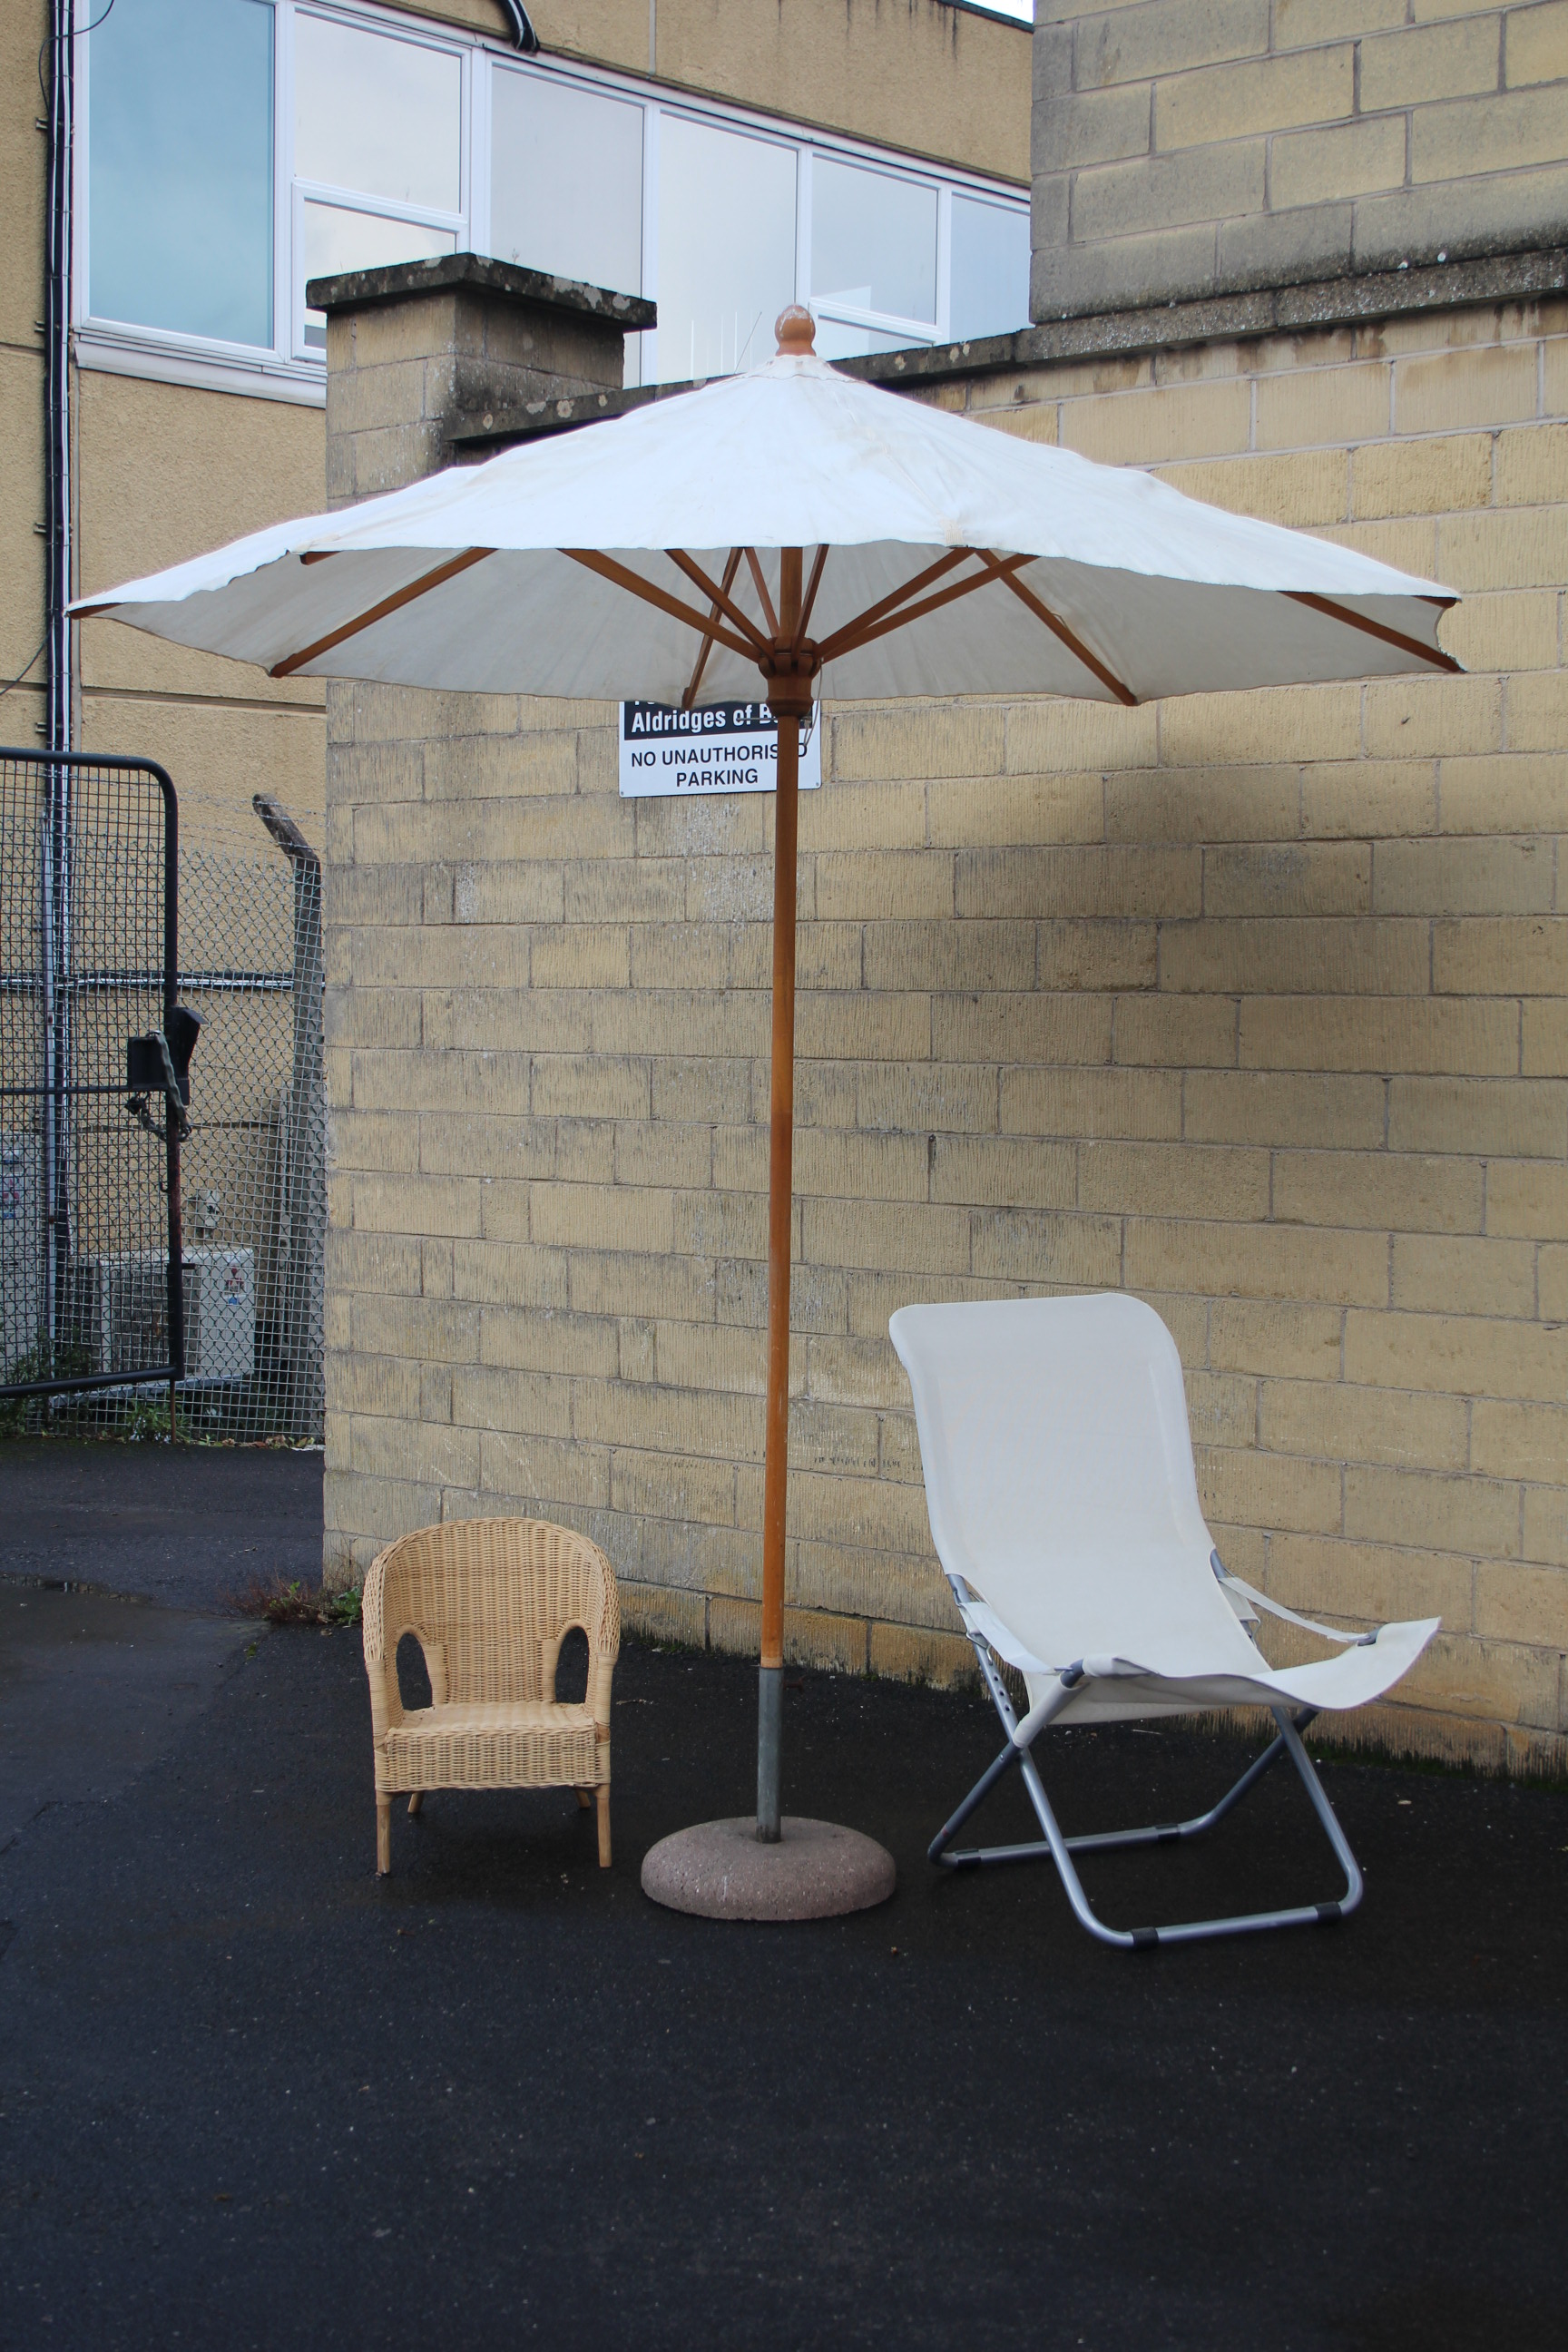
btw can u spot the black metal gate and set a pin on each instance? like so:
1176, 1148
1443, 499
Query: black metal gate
91, 1295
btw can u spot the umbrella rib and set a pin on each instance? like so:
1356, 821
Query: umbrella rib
608, 569
699, 578
810, 597
731, 565
849, 640
1059, 628
769, 615
1438, 659
840, 640
392, 603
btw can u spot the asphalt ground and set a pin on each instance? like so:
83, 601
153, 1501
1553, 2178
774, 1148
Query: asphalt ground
251, 2096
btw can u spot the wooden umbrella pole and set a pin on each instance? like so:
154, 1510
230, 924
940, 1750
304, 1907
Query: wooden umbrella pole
789, 700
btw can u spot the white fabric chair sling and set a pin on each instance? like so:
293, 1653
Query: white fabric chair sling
1064, 1509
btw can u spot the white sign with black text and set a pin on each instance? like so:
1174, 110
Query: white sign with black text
720, 747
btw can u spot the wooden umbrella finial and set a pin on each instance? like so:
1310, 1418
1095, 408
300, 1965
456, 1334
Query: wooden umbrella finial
796, 331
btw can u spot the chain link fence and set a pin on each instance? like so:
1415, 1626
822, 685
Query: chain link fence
253, 1164
255, 1159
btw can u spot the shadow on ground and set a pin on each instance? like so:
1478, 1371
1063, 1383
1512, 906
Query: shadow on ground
253, 2096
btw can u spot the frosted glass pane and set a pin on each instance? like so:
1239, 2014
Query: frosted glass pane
726, 247
337, 239
180, 167
836, 340
381, 116
873, 241
990, 269
567, 181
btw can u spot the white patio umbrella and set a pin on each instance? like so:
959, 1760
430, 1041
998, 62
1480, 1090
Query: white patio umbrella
834, 539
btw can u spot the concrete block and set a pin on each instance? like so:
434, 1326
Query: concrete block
1501, 955
1451, 1034
1507, 132
1275, 1108
1202, 184
1333, 1422
1457, 1354
1423, 62
1233, 101
1172, 1180
1536, 42
1284, 1339
1402, 1192
1229, 1260
1391, 957
1519, 1118
1441, 476
1324, 166
1122, 273
1501, 206
1174, 1032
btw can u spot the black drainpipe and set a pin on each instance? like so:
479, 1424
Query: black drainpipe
56, 375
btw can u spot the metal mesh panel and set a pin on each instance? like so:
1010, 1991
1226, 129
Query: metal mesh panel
84, 1198
255, 1160
84, 1238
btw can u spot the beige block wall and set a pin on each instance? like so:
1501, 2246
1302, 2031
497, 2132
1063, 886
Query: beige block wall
1256, 1005
1184, 147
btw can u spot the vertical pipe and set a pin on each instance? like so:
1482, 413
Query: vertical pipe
171, 1109
786, 701
57, 812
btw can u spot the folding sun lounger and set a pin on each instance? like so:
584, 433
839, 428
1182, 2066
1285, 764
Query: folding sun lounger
1064, 1509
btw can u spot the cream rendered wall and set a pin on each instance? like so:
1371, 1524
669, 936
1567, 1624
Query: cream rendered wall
24, 165
164, 472
1256, 1005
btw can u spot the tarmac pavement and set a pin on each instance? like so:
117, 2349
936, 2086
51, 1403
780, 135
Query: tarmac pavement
250, 2095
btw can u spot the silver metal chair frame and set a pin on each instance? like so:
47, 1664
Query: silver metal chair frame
1061, 1849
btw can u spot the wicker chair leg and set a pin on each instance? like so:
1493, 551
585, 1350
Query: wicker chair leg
383, 1836
585, 1800
415, 1802
604, 1827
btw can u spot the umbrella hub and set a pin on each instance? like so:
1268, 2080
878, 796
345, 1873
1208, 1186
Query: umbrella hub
788, 672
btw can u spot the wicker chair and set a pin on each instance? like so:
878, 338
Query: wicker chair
490, 1601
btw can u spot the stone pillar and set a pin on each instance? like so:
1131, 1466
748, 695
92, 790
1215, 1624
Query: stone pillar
415, 348
413, 352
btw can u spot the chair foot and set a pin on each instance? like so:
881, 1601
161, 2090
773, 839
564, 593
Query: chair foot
383, 1836
585, 1800
415, 1802
604, 1827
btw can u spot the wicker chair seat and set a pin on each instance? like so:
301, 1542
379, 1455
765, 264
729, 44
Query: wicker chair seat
494, 1744
490, 1602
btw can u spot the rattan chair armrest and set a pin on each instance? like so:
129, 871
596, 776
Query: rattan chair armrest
385, 1698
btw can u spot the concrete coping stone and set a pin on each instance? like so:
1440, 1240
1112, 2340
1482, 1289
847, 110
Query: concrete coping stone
478, 273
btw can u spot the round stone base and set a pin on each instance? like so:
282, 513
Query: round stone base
721, 1870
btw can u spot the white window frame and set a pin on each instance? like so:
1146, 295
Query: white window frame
293, 369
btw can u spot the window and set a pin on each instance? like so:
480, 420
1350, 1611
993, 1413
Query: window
378, 152
566, 173
873, 243
180, 168
726, 247
233, 150
990, 269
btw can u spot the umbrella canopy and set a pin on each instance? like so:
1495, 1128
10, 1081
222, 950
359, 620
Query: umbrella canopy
839, 540
1093, 581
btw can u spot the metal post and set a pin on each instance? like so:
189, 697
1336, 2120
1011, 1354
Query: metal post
172, 1110
788, 707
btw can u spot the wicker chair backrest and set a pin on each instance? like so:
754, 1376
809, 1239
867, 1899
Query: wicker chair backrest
489, 1601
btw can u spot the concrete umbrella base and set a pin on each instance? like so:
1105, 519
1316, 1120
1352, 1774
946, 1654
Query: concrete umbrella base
720, 1870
